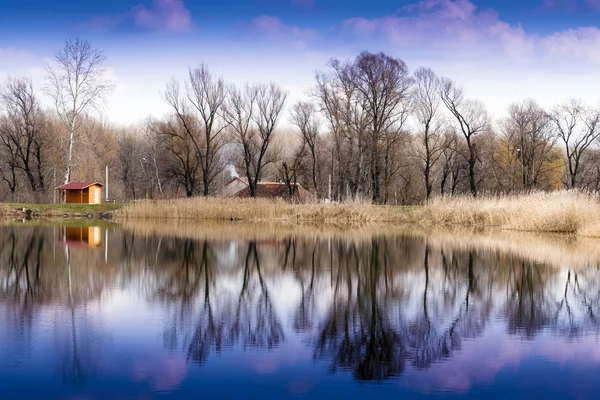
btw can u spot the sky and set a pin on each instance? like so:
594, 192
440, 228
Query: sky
499, 51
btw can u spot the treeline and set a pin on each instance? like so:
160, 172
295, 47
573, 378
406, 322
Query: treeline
370, 129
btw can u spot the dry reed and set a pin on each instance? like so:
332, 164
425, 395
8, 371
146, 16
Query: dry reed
205, 209
563, 211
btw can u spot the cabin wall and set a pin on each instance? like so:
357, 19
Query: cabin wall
95, 195
74, 197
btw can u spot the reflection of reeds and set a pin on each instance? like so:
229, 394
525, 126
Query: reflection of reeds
265, 230
541, 248
259, 209
545, 248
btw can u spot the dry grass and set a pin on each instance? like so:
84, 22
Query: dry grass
564, 211
218, 209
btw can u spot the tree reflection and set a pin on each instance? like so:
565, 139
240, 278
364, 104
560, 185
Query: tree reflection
357, 333
373, 307
35, 282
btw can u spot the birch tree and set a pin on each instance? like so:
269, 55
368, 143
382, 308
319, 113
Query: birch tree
77, 82
429, 143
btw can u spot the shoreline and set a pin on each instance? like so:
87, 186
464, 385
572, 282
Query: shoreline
566, 212
58, 211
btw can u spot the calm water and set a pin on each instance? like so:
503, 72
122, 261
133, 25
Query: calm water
93, 313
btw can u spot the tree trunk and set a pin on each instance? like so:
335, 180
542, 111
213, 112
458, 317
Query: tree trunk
472, 161
375, 172
70, 153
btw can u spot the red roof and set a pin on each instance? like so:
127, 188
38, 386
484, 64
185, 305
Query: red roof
77, 185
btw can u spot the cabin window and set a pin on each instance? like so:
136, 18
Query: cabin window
85, 192
73, 192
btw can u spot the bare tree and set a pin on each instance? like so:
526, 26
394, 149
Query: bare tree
340, 103
129, 147
366, 103
8, 159
252, 116
292, 169
183, 164
453, 165
304, 116
152, 155
383, 83
472, 119
23, 132
527, 145
77, 82
430, 143
205, 97
577, 126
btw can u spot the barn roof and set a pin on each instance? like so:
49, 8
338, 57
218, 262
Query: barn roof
77, 185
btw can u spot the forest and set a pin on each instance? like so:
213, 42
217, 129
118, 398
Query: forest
368, 129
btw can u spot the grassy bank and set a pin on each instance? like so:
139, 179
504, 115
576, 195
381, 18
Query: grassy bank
21, 210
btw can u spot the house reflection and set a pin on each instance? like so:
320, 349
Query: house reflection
81, 236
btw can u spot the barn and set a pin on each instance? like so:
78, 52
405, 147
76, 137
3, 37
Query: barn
81, 192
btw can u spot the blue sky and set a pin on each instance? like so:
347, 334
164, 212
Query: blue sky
500, 51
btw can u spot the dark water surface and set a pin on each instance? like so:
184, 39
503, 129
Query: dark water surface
95, 313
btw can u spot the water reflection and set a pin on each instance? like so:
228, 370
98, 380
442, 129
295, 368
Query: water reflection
380, 308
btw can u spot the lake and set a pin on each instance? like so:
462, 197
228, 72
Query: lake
252, 311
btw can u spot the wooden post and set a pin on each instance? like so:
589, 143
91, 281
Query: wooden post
81, 196
106, 186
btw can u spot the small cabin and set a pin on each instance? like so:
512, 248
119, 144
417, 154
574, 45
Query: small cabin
81, 192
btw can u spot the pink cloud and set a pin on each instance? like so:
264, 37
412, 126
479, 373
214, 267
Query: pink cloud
480, 360
459, 27
443, 23
570, 5
162, 15
595, 4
